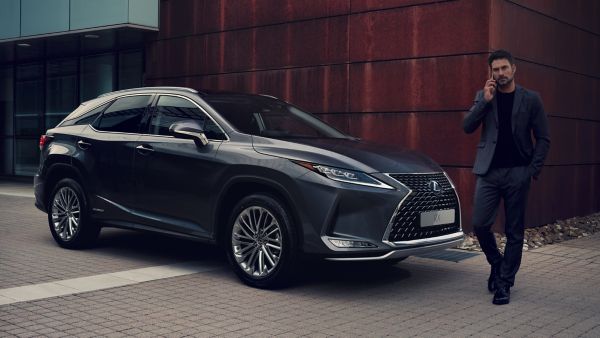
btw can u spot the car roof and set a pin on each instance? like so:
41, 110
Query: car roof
203, 93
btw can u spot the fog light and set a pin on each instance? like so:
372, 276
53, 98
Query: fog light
342, 243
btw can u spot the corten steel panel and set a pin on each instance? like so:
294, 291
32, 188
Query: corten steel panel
316, 89
248, 13
427, 30
574, 142
438, 134
187, 17
563, 93
307, 43
545, 40
430, 84
560, 192
371, 5
580, 13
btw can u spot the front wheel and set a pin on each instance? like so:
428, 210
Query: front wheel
261, 245
68, 217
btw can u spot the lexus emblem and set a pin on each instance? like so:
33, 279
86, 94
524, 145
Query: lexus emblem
435, 186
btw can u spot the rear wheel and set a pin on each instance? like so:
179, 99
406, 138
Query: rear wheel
261, 244
68, 216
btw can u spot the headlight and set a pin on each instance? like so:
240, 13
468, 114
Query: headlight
344, 175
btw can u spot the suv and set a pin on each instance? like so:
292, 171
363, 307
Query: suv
258, 176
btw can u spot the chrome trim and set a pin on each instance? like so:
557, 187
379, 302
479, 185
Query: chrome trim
332, 247
146, 134
400, 253
425, 241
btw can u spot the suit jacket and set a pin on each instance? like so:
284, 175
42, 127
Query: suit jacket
527, 115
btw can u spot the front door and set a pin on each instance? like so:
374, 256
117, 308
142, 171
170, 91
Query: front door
175, 177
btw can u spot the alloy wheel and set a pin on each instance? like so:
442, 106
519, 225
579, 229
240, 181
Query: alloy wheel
66, 213
256, 241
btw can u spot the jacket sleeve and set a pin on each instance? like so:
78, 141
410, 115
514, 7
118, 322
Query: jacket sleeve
476, 114
539, 125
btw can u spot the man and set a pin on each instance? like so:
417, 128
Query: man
505, 163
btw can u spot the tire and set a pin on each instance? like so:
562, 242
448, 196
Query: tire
261, 243
68, 216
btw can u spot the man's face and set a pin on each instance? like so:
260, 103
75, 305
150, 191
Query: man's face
503, 72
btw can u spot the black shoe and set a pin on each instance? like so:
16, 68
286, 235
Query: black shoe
493, 275
502, 296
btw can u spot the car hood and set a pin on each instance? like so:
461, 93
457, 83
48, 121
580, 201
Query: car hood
348, 153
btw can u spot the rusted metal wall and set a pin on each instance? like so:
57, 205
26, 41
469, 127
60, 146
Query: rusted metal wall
404, 72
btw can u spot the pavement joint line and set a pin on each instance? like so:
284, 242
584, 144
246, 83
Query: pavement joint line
16, 194
72, 286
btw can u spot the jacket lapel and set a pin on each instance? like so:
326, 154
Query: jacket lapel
515, 107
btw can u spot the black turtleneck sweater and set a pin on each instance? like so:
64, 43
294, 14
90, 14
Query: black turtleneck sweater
506, 155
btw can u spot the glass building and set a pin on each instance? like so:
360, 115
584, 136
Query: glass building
55, 54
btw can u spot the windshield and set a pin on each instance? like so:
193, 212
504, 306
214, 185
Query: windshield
269, 117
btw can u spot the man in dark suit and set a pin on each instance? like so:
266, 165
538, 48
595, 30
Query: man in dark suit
506, 161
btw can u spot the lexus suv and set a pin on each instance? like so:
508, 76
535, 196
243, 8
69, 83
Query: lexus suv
260, 177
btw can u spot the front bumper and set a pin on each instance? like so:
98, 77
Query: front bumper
409, 248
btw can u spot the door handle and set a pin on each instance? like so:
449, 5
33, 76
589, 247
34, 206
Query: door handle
144, 149
83, 145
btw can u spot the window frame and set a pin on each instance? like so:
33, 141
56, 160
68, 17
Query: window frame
142, 122
154, 107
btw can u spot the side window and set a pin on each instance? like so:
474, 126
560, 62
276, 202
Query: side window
171, 109
90, 116
124, 115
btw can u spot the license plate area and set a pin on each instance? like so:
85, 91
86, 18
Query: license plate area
437, 217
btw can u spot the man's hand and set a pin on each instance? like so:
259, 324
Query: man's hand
489, 89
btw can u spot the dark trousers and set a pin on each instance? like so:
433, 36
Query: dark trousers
512, 185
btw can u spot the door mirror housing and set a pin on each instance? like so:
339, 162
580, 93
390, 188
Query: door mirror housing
189, 129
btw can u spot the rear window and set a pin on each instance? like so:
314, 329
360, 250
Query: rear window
124, 115
84, 117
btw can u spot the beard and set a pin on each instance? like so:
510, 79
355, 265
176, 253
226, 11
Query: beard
504, 81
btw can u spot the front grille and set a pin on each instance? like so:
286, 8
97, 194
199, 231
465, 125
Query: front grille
406, 224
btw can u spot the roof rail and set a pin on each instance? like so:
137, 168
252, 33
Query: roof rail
150, 88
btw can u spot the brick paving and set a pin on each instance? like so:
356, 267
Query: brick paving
555, 295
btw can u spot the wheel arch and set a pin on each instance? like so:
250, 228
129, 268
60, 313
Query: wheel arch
240, 187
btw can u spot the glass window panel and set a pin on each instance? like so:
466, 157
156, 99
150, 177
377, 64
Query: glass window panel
30, 49
29, 99
61, 90
6, 101
6, 155
7, 52
26, 157
130, 69
125, 115
172, 109
98, 41
97, 75
62, 45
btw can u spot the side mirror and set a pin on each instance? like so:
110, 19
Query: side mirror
189, 129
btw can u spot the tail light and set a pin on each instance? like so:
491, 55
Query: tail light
44, 140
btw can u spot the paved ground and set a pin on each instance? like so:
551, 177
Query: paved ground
556, 292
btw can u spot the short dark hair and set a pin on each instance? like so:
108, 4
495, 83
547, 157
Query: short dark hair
500, 54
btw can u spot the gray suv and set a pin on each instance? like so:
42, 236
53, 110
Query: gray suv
260, 177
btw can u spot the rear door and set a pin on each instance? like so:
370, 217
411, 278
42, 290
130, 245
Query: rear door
108, 147
175, 177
